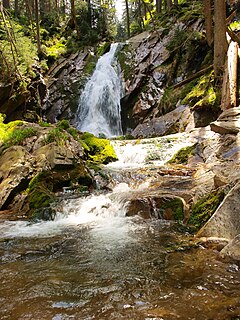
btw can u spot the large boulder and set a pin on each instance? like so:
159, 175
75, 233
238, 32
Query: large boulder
225, 222
16, 170
39, 166
172, 122
228, 122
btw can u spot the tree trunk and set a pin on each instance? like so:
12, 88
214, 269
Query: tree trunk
73, 18
128, 18
207, 8
229, 90
158, 6
175, 2
37, 25
220, 40
169, 4
16, 8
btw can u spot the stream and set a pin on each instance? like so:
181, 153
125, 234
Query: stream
94, 262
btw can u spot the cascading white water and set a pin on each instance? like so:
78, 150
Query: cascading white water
99, 105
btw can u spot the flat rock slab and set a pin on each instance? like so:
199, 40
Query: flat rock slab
225, 222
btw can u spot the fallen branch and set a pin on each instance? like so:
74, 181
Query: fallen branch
192, 77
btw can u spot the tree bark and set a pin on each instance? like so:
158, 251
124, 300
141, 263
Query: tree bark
229, 90
169, 4
158, 6
128, 18
207, 8
38, 26
220, 40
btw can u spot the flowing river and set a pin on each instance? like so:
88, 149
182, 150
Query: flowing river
94, 262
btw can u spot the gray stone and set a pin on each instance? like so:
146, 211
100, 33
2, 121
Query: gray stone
225, 222
232, 249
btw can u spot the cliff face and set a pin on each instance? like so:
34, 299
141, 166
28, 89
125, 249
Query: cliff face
155, 67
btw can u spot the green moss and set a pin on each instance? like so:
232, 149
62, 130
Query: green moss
176, 206
205, 208
90, 65
39, 192
171, 96
17, 136
98, 150
182, 156
126, 61
103, 48
203, 94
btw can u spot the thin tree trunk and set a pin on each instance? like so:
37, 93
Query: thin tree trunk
37, 25
128, 18
220, 40
158, 6
207, 8
16, 8
169, 4
229, 90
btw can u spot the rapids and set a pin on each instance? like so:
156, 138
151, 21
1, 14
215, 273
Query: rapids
93, 262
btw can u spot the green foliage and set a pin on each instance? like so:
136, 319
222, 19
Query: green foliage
56, 135
171, 96
63, 124
126, 62
182, 156
54, 48
18, 136
12, 134
98, 150
90, 65
44, 124
204, 208
74, 133
16, 60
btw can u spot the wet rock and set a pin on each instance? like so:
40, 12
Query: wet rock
213, 242
225, 221
232, 249
167, 207
170, 123
15, 173
32, 172
65, 81
228, 122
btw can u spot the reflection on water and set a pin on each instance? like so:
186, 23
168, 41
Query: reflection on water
115, 268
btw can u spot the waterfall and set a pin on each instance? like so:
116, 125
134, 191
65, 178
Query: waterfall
99, 105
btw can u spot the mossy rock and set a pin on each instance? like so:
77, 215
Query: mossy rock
182, 156
205, 208
172, 209
39, 192
98, 150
